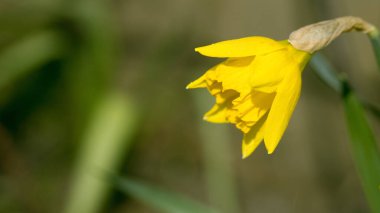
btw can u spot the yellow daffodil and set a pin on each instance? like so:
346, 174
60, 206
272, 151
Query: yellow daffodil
256, 87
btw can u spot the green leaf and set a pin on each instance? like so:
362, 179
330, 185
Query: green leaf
364, 149
160, 198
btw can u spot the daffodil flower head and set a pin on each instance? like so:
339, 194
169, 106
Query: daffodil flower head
256, 88
258, 85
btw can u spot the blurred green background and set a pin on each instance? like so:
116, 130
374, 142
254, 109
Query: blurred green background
92, 88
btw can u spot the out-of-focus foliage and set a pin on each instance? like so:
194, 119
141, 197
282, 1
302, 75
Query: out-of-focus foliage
60, 61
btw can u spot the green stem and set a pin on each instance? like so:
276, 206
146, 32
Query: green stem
326, 72
374, 36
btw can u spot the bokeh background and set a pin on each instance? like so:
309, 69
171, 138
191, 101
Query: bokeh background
101, 84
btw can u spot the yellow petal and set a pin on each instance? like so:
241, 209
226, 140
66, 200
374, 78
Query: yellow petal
206, 80
251, 108
217, 114
214, 87
234, 73
253, 138
226, 97
199, 83
244, 126
249, 46
282, 108
269, 70
220, 111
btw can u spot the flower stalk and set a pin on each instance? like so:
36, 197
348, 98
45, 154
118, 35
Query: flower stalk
374, 37
326, 72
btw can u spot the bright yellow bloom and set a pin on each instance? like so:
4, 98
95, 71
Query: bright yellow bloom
256, 87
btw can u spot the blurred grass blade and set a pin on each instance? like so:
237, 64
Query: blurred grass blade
95, 60
159, 198
326, 72
374, 36
104, 145
217, 157
365, 150
30, 53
